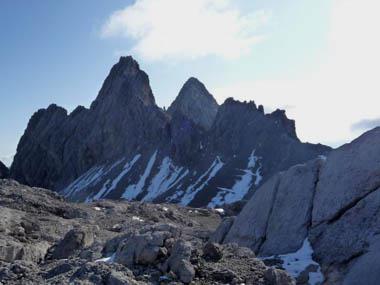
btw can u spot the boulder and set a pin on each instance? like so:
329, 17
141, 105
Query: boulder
349, 174
74, 241
277, 218
278, 277
212, 251
332, 201
143, 248
179, 261
290, 218
219, 235
249, 228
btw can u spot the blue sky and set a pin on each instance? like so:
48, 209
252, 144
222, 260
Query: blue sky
279, 53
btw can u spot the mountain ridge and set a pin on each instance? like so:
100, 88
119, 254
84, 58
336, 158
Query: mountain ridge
179, 155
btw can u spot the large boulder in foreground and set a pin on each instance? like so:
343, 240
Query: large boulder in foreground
279, 213
332, 202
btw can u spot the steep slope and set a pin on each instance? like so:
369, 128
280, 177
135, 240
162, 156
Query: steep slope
125, 146
195, 103
4, 171
332, 202
57, 147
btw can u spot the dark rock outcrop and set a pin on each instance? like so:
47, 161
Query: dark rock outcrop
125, 146
57, 147
195, 103
333, 202
4, 171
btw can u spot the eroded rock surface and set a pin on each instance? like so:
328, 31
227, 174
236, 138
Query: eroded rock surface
333, 202
47, 240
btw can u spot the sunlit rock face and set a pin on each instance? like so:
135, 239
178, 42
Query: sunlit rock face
124, 146
333, 202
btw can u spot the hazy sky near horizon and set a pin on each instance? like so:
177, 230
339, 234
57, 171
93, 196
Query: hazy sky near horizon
319, 60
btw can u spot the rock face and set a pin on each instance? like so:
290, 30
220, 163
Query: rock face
57, 147
196, 103
125, 146
46, 240
4, 171
332, 202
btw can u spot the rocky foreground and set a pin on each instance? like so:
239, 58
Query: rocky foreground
46, 240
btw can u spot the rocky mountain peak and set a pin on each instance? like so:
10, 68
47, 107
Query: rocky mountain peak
290, 125
4, 172
195, 102
125, 84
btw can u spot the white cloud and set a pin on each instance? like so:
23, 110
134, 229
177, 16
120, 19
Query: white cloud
366, 124
343, 90
186, 29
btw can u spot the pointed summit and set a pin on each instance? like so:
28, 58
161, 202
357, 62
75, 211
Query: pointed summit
195, 102
125, 82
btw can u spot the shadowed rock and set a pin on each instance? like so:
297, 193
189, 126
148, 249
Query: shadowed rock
4, 171
195, 103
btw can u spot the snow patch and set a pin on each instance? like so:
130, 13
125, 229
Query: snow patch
109, 259
192, 190
132, 191
167, 177
322, 157
241, 187
89, 178
108, 186
295, 263
220, 211
137, 219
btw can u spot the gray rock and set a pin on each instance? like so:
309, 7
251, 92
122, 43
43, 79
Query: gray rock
349, 174
142, 248
282, 212
26, 212
196, 103
118, 278
73, 242
366, 269
278, 277
219, 235
179, 263
56, 147
249, 228
13, 250
349, 236
333, 201
291, 212
212, 251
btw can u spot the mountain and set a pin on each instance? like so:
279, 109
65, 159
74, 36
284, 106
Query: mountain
125, 146
4, 171
328, 208
195, 103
